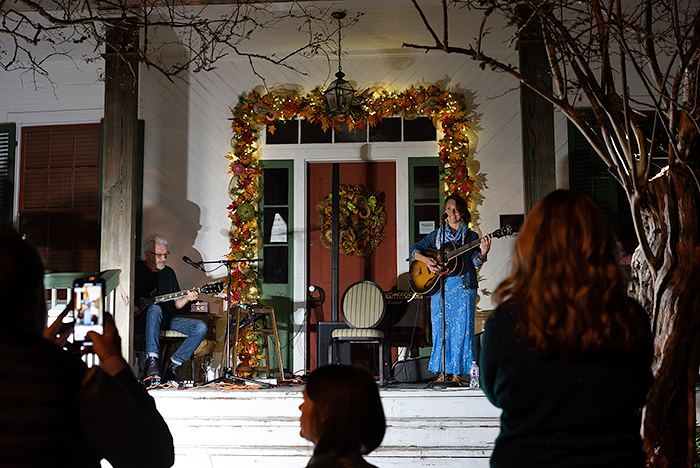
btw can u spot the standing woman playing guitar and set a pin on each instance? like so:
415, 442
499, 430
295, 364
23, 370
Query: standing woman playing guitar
460, 291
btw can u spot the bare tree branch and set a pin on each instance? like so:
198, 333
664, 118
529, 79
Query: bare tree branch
34, 30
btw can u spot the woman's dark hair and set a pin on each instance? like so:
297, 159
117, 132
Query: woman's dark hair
565, 281
462, 207
348, 412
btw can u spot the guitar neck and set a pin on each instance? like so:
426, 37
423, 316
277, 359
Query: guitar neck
462, 250
149, 301
506, 231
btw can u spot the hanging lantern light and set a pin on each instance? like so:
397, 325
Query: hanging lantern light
339, 94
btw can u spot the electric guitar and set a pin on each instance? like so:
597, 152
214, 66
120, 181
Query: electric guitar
211, 288
449, 259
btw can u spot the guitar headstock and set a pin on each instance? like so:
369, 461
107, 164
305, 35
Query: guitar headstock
505, 231
212, 288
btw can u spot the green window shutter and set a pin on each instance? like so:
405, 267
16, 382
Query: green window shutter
7, 170
589, 174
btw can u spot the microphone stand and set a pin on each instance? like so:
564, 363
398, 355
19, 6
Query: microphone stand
445, 382
227, 375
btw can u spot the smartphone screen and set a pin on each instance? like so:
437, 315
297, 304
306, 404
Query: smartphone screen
89, 307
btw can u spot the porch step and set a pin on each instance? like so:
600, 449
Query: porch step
227, 428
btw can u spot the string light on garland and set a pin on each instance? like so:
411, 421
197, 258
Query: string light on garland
369, 107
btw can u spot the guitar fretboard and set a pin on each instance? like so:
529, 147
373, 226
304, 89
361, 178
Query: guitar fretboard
149, 301
460, 250
498, 233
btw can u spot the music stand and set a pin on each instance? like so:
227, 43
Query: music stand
227, 375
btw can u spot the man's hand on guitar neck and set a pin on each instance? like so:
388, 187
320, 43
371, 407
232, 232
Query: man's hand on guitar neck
430, 262
192, 295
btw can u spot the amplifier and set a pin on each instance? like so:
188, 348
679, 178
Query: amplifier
412, 370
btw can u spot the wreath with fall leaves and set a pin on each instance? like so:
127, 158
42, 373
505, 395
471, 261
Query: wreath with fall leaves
361, 220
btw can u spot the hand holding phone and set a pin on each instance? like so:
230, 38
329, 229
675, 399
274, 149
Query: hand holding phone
108, 343
59, 331
88, 312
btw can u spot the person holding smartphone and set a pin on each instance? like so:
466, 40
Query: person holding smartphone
55, 410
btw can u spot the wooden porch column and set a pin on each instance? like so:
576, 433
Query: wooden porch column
536, 114
118, 229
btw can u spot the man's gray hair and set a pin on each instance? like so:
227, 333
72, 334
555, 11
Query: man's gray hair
149, 243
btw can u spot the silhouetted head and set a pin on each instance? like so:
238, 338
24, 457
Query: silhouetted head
345, 414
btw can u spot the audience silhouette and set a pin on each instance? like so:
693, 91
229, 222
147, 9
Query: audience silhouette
567, 354
57, 412
342, 415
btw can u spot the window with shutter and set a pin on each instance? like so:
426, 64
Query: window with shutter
589, 174
59, 194
7, 171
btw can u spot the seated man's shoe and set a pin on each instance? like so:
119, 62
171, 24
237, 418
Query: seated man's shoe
172, 373
152, 372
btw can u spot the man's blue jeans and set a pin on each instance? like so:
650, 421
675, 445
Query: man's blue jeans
195, 330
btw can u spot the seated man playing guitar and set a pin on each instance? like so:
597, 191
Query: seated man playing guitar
153, 278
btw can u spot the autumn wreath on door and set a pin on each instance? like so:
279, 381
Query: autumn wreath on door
361, 220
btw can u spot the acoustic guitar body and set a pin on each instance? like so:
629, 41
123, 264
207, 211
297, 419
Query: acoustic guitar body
449, 258
425, 282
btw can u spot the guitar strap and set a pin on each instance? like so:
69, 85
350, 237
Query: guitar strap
458, 237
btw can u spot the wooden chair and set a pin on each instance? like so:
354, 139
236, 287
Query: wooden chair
363, 307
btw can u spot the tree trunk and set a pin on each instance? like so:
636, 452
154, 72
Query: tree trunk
671, 216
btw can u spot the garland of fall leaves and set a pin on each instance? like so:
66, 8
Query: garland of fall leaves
369, 107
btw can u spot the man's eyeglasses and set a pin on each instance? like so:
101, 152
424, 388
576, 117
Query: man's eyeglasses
158, 255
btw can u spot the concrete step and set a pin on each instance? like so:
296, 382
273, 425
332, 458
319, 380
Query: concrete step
227, 428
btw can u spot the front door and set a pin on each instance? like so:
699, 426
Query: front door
378, 265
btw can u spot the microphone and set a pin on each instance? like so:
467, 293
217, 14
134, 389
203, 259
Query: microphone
444, 216
189, 261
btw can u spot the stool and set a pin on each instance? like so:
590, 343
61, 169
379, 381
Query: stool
167, 339
240, 313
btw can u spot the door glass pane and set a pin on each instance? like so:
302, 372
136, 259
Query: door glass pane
426, 180
313, 133
276, 186
286, 132
343, 135
388, 129
275, 265
427, 219
275, 225
420, 129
